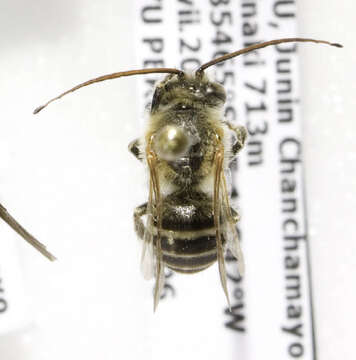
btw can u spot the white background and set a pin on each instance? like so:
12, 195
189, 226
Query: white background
67, 176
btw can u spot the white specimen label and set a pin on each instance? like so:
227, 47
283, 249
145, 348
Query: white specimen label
13, 315
272, 315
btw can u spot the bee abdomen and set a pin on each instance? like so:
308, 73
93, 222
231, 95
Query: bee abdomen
189, 255
188, 239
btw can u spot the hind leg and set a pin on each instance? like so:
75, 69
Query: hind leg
139, 225
235, 215
241, 134
134, 148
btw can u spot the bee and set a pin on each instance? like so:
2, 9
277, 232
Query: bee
4, 214
188, 147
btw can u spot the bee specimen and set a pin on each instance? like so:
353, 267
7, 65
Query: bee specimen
187, 147
24, 233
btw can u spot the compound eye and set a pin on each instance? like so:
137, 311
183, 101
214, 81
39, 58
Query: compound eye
156, 99
171, 143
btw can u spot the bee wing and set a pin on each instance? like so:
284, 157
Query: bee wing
228, 228
151, 258
160, 278
229, 217
218, 180
24, 233
148, 255
151, 261
156, 201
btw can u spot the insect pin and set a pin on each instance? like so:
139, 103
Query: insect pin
187, 148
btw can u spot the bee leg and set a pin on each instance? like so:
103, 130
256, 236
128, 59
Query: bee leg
24, 233
235, 215
134, 148
241, 134
139, 225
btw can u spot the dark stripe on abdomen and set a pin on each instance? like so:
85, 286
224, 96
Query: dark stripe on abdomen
192, 246
190, 263
189, 255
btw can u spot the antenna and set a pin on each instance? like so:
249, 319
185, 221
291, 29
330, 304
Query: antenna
260, 46
110, 77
